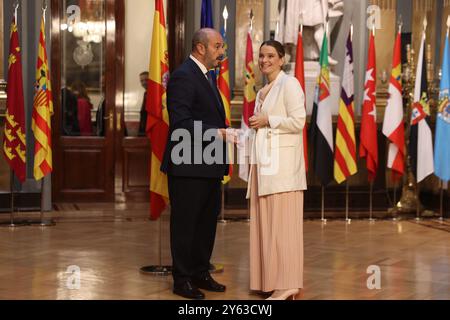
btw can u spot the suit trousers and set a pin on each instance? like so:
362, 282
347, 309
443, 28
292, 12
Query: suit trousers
195, 205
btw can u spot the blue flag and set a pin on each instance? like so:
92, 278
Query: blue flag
442, 145
207, 14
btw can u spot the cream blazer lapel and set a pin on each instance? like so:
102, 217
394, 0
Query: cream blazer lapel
273, 94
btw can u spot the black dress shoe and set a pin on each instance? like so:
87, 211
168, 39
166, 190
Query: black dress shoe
188, 290
208, 283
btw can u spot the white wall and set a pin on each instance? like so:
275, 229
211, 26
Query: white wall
138, 36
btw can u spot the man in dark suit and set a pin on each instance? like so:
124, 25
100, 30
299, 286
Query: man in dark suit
195, 184
143, 78
70, 113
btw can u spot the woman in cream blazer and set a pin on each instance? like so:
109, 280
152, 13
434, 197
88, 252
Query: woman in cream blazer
277, 180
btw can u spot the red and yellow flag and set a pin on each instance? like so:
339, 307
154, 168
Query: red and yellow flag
250, 83
42, 112
248, 108
223, 84
14, 143
345, 164
157, 116
300, 75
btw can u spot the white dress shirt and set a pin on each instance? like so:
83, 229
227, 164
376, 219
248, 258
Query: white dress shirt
200, 65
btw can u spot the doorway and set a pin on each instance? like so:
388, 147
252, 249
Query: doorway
98, 156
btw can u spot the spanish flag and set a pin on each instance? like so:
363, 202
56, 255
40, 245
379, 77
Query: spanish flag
42, 112
157, 115
14, 143
223, 84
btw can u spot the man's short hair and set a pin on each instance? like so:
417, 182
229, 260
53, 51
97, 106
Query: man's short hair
201, 36
144, 73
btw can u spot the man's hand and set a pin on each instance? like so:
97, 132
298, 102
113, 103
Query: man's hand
259, 120
229, 135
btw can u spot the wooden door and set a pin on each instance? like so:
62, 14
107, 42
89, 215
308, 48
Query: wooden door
84, 88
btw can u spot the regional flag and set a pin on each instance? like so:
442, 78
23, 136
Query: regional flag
14, 143
300, 75
393, 126
321, 133
248, 107
345, 151
157, 116
368, 148
42, 112
442, 145
420, 140
223, 84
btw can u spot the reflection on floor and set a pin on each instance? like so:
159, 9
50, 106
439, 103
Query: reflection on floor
110, 243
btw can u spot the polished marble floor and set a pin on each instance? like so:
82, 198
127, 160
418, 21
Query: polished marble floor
109, 244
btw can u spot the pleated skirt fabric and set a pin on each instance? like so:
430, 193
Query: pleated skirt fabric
276, 240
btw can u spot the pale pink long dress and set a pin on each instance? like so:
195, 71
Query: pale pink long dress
276, 237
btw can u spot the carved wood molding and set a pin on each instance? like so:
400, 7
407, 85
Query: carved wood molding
176, 39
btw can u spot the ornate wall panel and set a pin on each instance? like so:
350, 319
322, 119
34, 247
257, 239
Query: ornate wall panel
445, 14
422, 9
384, 42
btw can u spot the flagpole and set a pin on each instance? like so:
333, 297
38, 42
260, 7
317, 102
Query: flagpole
418, 218
324, 221
222, 213
42, 222
251, 17
248, 211
347, 219
11, 180
395, 194
225, 19
11, 187
159, 269
16, 7
371, 203
442, 202
400, 25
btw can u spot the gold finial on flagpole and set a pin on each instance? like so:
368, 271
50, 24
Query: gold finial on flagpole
351, 32
16, 8
44, 9
448, 24
225, 18
301, 22
425, 24
252, 17
351, 27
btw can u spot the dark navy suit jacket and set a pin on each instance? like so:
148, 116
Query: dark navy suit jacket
191, 98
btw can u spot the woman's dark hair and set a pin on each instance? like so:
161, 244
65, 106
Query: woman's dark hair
275, 44
79, 88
